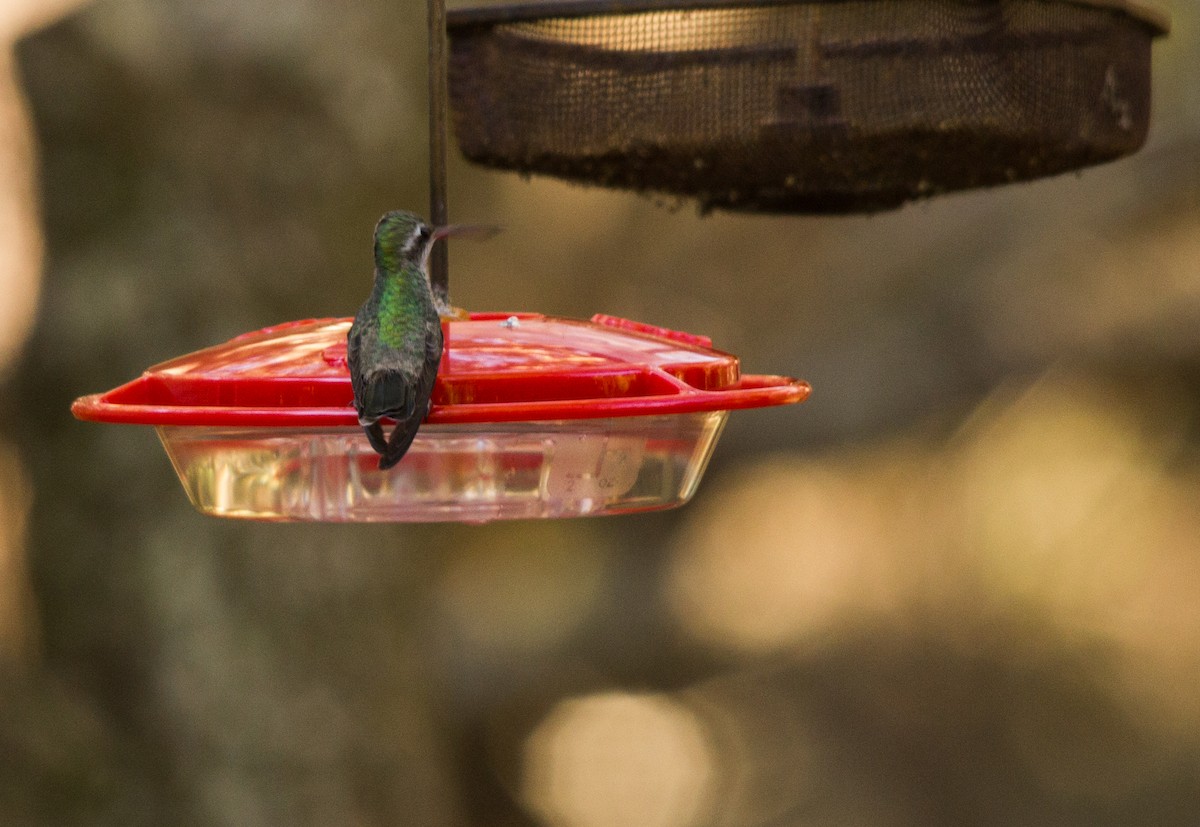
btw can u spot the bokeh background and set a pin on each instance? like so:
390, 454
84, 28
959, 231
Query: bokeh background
961, 585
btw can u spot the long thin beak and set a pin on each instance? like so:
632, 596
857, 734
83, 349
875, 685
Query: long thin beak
479, 232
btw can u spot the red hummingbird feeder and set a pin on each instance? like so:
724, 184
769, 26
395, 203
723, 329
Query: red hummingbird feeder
542, 417
533, 417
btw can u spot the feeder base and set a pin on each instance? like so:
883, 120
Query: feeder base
462, 473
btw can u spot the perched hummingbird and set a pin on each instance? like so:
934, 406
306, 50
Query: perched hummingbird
395, 344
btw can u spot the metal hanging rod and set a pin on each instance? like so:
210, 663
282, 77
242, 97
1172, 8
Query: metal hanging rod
439, 275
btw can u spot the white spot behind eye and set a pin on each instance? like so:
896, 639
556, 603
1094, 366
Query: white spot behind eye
415, 239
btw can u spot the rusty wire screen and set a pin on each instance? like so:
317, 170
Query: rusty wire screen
811, 106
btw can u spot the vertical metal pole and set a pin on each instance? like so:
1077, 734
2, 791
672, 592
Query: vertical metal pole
439, 275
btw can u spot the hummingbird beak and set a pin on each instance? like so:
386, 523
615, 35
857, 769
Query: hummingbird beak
480, 232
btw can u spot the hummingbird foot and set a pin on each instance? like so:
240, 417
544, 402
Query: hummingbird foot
447, 311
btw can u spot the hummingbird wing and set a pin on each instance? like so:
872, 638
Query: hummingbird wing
382, 377
417, 399
354, 358
354, 354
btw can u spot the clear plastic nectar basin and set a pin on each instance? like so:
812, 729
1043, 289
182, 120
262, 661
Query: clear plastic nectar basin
533, 416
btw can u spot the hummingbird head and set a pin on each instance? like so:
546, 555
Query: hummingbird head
402, 239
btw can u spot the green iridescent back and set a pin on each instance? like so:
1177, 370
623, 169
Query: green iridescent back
404, 303
402, 288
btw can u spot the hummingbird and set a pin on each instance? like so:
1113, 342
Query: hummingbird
395, 344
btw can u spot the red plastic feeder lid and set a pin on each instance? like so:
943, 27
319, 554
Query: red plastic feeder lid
496, 368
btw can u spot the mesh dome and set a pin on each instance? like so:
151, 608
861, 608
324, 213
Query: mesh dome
809, 106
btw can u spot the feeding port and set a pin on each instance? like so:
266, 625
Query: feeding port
532, 417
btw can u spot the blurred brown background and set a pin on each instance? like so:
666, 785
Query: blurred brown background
961, 585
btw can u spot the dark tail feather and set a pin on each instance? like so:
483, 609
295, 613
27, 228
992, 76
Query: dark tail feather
402, 437
375, 436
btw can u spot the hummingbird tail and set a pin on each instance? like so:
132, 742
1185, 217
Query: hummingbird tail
400, 440
396, 449
375, 436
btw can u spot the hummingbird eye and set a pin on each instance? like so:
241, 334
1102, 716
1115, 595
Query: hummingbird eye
417, 239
